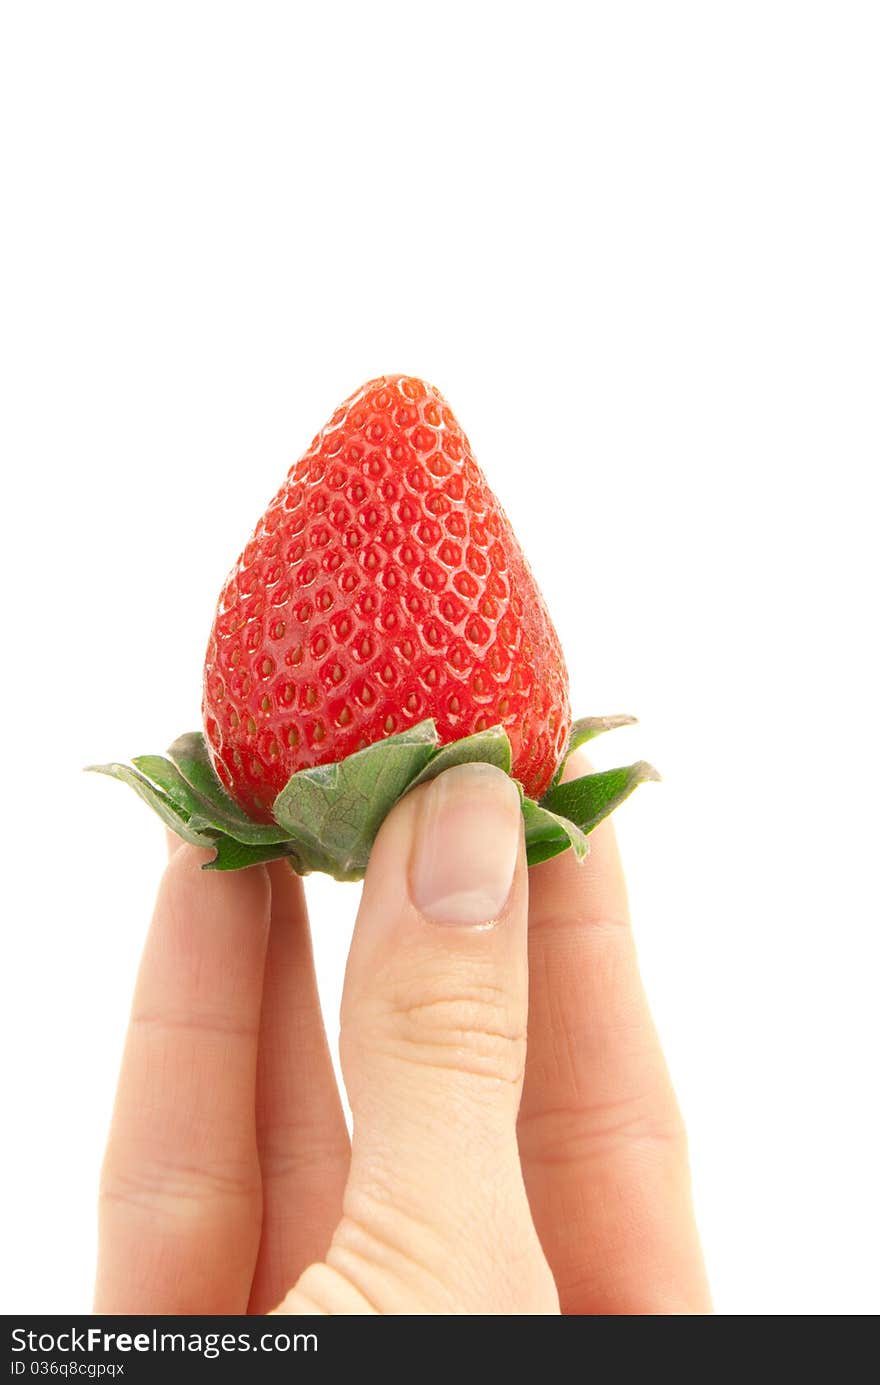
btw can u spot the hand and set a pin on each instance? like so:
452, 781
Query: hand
486, 1176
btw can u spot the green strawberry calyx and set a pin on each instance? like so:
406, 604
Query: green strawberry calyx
327, 818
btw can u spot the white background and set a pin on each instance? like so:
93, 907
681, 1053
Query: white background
636, 245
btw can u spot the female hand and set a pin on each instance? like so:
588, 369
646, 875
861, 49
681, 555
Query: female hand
487, 1174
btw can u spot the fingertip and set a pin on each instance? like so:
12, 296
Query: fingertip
232, 892
577, 765
172, 841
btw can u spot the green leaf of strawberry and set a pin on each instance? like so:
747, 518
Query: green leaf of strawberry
233, 855
333, 812
490, 746
586, 801
173, 814
327, 817
585, 729
208, 801
547, 834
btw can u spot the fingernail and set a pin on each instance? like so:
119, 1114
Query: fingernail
466, 844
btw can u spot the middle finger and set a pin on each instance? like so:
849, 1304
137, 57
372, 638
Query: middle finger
301, 1131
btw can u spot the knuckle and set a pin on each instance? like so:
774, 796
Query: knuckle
169, 1023
290, 1151
404, 1262
175, 1190
582, 1133
559, 922
476, 1031
472, 1030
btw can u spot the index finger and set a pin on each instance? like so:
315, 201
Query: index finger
601, 1138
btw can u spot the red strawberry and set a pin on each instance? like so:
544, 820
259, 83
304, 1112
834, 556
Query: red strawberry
383, 585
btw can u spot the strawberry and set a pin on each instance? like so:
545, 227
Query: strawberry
383, 586
381, 626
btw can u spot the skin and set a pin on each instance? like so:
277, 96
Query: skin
518, 1148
